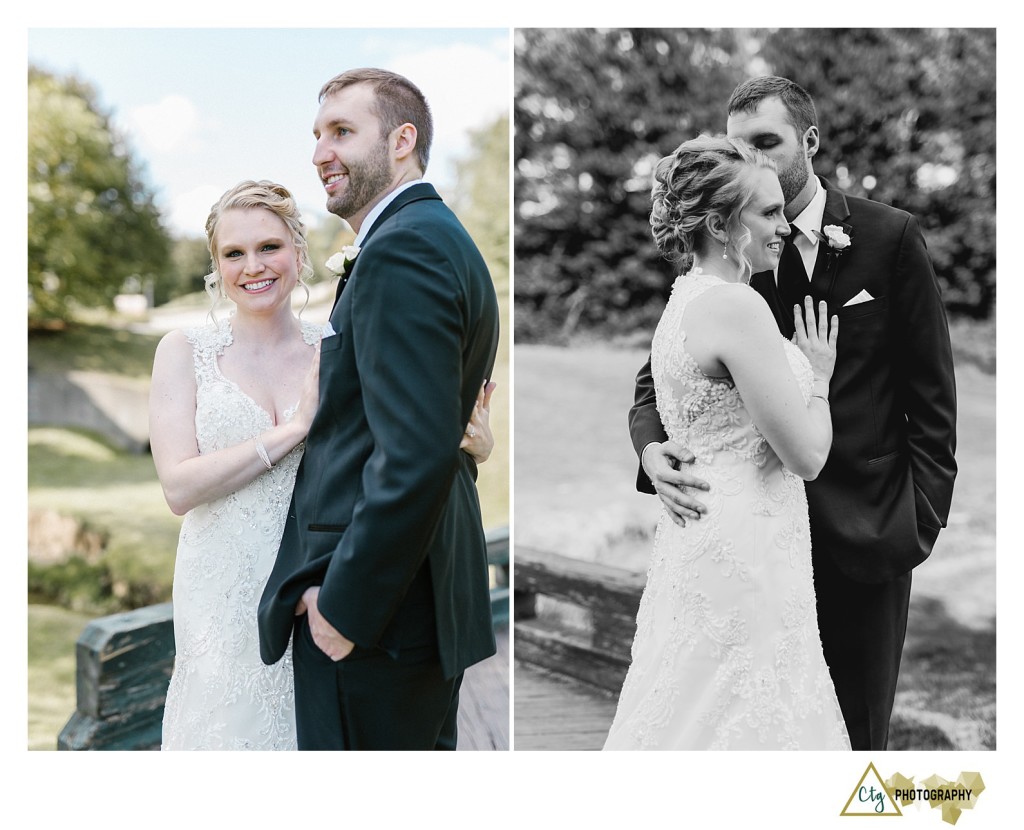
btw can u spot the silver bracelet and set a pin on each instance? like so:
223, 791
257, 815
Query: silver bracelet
824, 399
261, 451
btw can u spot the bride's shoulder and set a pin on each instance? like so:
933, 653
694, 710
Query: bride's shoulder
732, 298
182, 343
733, 309
174, 342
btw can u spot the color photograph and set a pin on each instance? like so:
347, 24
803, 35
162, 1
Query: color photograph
230, 265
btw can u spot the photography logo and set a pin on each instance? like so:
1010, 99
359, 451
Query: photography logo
870, 797
874, 797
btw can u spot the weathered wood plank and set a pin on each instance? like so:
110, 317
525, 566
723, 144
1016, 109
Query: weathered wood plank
566, 653
124, 662
484, 700
587, 584
555, 713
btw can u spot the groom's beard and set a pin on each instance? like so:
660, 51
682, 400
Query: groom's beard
793, 177
367, 179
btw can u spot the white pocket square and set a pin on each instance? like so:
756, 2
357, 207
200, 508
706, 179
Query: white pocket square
862, 297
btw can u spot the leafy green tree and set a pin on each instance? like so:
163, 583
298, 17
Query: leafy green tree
482, 202
190, 259
92, 223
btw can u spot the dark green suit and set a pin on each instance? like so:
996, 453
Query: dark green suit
385, 514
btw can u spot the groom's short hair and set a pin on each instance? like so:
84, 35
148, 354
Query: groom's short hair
397, 101
800, 106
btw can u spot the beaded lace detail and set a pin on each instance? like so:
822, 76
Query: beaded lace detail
727, 653
221, 694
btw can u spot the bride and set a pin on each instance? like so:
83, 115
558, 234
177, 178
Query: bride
230, 405
727, 653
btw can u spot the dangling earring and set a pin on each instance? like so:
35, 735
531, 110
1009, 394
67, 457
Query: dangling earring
725, 248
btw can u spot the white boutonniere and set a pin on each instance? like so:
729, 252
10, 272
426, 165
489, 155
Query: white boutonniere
835, 237
339, 262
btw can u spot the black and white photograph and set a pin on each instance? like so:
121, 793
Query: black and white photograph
754, 308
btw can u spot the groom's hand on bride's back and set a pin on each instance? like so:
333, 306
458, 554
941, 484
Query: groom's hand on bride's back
665, 465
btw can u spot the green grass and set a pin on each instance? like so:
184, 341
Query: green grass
52, 633
90, 347
77, 474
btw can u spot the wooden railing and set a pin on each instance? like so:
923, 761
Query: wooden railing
124, 664
575, 618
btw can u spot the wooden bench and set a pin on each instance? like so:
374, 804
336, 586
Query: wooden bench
575, 618
124, 663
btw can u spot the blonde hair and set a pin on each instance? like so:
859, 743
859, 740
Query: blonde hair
703, 177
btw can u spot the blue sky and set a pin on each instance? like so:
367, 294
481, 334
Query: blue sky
205, 108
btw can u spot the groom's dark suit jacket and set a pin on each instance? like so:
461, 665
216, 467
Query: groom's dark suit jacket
878, 504
385, 514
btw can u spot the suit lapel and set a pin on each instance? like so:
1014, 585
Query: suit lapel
407, 196
411, 194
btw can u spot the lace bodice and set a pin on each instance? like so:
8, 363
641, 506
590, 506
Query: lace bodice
706, 414
727, 653
221, 695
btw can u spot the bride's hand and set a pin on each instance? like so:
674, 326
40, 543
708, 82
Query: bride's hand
478, 440
816, 340
310, 397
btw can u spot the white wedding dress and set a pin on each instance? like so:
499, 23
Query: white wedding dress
221, 694
727, 653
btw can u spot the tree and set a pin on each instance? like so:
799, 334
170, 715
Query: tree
482, 201
594, 111
190, 260
92, 222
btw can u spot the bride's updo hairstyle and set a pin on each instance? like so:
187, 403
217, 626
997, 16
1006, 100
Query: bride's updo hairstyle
705, 177
262, 194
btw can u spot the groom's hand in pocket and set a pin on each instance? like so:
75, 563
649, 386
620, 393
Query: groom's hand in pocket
327, 638
665, 464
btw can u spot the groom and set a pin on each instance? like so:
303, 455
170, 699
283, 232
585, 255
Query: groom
878, 505
382, 570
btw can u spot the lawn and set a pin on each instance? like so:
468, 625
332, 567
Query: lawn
575, 473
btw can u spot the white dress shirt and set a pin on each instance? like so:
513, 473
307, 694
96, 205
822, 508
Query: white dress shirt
378, 209
803, 227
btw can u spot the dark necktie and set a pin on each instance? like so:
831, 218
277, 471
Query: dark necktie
793, 282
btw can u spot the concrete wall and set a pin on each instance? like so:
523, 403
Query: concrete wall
113, 406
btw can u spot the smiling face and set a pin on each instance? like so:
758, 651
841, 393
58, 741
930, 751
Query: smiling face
763, 219
770, 129
352, 157
257, 259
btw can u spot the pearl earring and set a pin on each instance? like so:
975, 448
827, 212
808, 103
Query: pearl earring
725, 248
